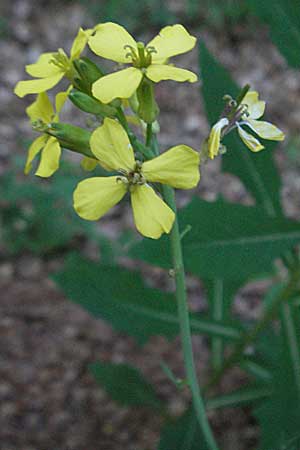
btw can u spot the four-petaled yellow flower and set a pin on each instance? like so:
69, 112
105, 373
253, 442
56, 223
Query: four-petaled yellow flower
51, 67
177, 167
41, 112
113, 42
255, 110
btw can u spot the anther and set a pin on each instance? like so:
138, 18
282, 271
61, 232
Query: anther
151, 50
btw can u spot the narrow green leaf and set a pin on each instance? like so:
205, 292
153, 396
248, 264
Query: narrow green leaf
227, 240
256, 171
240, 397
125, 384
283, 18
120, 297
279, 414
290, 330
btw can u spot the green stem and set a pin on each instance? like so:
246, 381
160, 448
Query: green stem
136, 144
183, 314
217, 314
290, 332
149, 135
285, 294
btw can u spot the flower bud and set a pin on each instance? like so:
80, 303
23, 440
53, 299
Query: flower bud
90, 105
88, 72
71, 137
147, 109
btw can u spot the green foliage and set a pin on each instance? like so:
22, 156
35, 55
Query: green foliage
283, 19
157, 13
38, 216
226, 240
183, 434
279, 415
142, 14
121, 297
125, 384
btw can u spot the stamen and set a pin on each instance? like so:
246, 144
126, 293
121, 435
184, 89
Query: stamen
122, 180
39, 125
151, 49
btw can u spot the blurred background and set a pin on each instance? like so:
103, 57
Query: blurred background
48, 400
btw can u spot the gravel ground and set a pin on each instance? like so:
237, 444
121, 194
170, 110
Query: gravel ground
48, 400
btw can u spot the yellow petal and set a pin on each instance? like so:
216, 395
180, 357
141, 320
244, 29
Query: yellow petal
152, 216
177, 167
252, 143
159, 72
34, 149
79, 43
43, 68
266, 130
215, 138
49, 158
171, 40
110, 40
111, 146
60, 99
88, 164
95, 196
41, 109
36, 86
120, 84
256, 108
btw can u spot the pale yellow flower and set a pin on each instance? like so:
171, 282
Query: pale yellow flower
93, 197
255, 110
41, 110
113, 42
51, 67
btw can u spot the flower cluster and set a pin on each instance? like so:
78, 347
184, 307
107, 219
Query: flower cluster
132, 166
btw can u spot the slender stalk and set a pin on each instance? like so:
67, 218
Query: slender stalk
136, 144
149, 135
290, 332
285, 294
183, 314
217, 314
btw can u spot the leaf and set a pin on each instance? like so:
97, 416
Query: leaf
227, 240
183, 434
240, 397
120, 297
125, 384
279, 414
256, 171
283, 18
38, 216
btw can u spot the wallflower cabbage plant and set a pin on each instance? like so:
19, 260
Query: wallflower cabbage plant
131, 162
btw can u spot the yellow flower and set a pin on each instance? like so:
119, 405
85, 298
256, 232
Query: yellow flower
93, 197
51, 67
214, 140
113, 42
255, 110
41, 112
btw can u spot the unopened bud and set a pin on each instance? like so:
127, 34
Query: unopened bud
71, 137
90, 105
147, 109
88, 73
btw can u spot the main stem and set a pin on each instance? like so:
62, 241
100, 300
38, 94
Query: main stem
184, 321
